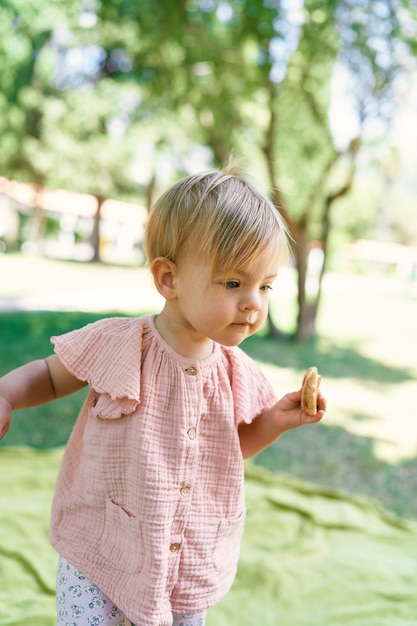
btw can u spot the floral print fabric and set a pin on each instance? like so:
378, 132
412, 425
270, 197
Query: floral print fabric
81, 603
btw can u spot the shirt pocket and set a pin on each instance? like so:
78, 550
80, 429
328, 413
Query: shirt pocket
121, 542
227, 546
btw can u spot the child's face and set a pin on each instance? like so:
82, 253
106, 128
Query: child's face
224, 309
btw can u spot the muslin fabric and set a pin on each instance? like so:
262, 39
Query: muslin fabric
149, 502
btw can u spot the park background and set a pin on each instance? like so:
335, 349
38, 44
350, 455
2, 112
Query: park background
105, 104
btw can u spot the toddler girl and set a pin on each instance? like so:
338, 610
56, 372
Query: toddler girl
149, 509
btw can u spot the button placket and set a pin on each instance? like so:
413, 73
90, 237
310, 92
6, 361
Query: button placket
191, 370
188, 469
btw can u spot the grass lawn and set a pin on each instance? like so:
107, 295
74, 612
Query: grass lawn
366, 351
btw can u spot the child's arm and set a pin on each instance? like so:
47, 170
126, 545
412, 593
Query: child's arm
35, 383
286, 414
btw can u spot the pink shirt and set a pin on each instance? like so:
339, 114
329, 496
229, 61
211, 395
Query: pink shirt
149, 502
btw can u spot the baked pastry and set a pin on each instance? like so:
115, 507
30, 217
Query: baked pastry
310, 388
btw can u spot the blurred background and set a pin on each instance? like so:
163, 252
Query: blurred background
104, 104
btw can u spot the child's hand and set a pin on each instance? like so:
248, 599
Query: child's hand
286, 414
5, 417
291, 415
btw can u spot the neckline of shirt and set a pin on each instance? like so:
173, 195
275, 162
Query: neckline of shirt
181, 360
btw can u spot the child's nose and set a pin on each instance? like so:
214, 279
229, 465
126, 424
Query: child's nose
252, 301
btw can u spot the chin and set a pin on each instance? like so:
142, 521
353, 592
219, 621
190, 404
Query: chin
233, 342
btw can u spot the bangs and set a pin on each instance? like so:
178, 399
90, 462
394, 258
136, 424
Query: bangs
244, 236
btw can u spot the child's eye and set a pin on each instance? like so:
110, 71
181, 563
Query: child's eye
231, 284
266, 287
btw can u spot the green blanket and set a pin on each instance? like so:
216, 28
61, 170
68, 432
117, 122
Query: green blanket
310, 556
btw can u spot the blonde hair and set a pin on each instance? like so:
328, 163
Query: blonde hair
217, 214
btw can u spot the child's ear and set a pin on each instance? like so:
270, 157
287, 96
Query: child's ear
164, 272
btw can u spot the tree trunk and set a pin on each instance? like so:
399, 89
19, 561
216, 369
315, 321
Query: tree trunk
312, 273
150, 191
307, 310
37, 228
95, 235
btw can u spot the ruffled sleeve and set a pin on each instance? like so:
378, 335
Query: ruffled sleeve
252, 392
107, 355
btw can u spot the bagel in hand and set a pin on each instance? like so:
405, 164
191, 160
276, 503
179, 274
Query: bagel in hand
310, 388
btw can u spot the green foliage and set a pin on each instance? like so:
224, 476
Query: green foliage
80, 82
55, 119
355, 215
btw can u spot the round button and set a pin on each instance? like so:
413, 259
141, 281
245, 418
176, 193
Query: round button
191, 371
174, 547
192, 433
185, 491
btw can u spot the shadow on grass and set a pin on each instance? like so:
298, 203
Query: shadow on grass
331, 456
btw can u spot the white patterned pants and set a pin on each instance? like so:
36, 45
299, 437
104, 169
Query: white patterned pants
81, 603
